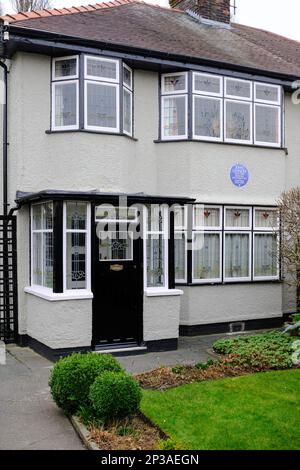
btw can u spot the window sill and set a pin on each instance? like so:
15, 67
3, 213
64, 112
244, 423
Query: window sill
270, 147
88, 131
163, 292
47, 294
227, 283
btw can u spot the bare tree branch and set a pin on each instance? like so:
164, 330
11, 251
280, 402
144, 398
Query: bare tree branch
30, 5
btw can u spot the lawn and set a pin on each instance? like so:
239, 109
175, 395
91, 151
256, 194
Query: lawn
254, 412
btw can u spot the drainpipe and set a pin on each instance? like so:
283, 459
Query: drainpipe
5, 141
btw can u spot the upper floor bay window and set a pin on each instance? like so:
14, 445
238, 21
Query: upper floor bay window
92, 93
208, 107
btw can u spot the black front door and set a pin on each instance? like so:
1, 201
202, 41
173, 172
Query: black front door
117, 286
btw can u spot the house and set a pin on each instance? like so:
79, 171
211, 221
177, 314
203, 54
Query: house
147, 149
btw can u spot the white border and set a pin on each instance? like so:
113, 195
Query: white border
102, 79
73, 126
177, 92
265, 278
258, 100
237, 141
268, 144
67, 77
204, 137
99, 128
239, 228
174, 137
208, 93
181, 228
230, 280
208, 281
239, 98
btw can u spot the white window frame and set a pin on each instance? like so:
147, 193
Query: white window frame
236, 141
38, 287
207, 93
69, 77
184, 233
264, 229
203, 137
127, 90
213, 280
265, 278
235, 97
258, 100
101, 128
87, 232
181, 228
207, 206
73, 126
129, 87
238, 229
115, 260
174, 137
101, 79
178, 92
165, 234
231, 280
268, 144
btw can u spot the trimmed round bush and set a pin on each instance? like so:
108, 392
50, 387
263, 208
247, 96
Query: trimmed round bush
115, 395
72, 376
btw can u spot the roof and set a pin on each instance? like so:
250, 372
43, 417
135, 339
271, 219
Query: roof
132, 23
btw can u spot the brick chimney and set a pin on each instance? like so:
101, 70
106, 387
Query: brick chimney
214, 10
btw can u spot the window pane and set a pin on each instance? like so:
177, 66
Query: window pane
267, 93
236, 255
155, 261
127, 111
180, 217
180, 256
238, 120
37, 259
76, 261
266, 218
174, 112
237, 218
115, 246
207, 117
37, 217
206, 256
101, 105
65, 68
104, 69
47, 215
265, 259
65, 104
207, 83
238, 88
76, 215
206, 217
127, 77
48, 260
174, 83
267, 124
155, 218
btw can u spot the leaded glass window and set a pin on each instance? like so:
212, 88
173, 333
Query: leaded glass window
180, 256
65, 68
174, 83
115, 246
237, 218
267, 93
65, 96
267, 124
238, 121
127, 111
267, 219
207, 84
101, 106
207, 117
76, 245
156, 246
207, 217
240, 89
101, 69
42, 245
174, 122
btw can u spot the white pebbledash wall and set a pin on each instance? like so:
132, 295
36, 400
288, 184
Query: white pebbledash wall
85, 161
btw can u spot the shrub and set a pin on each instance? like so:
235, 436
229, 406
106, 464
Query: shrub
114, 396
206, 365
295, 317
266, 350
72, 376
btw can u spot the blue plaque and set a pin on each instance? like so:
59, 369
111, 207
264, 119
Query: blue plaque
239, 175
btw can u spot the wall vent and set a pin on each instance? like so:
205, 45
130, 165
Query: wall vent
236, 328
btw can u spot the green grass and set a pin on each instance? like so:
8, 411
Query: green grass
255, 412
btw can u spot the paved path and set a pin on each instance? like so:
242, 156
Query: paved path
29, 419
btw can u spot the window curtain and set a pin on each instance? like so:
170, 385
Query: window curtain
265, 255
236, 255
206, 256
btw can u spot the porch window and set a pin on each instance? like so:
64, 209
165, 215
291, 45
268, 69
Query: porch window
42, 245
156, 246
88, 92
180, 243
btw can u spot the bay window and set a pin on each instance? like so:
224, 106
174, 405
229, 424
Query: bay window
180, 243
42, 245
200, 106
92, 93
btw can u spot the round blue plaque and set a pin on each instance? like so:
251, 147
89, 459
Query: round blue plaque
239, 175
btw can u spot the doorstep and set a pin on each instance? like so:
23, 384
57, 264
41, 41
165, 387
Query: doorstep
120, 349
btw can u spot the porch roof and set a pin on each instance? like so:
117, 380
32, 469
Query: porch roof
95, 196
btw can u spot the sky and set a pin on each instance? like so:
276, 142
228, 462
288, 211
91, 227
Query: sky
281, 17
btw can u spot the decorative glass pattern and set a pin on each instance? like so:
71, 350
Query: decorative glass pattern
127, 111
206, 217
207, 84
76, 215
101, 69
155, 218
180, 217
65, 68
238, 88
127, 77
76, 245
115, 246
265, 255
174, 116
207, 117
267, 124
267, 93
180, 256
238, 121
42, 245
206, 256
174, 83
155, 260
266, 219
237, 250
237, 218
65, 104
101, 105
